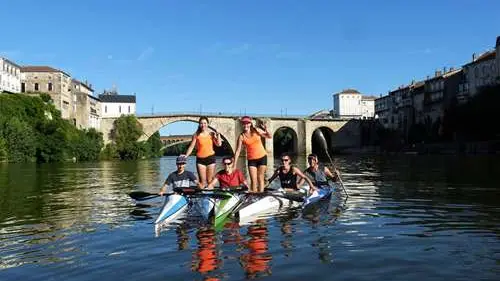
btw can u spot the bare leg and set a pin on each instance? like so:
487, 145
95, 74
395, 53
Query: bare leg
202, 173
253, 178
261, 173
210, 172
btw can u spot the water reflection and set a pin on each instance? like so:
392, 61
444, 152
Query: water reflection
256, 261
439, 214
205, 259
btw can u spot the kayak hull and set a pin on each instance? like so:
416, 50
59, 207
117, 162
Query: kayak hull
173, 207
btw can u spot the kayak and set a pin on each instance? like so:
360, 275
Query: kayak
204, 205
173, 206
254, 204
322, 192
224, 208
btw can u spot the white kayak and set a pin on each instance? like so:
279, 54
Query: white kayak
172, 208
322, 192
256, 203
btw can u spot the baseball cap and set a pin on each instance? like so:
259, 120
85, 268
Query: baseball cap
181, 159
246, 119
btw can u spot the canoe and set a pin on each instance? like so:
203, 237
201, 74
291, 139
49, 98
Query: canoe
173, 206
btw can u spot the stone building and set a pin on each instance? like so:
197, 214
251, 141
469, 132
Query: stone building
55, 82
10, 76
86, 111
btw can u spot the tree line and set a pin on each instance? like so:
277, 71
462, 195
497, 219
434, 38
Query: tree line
32, 130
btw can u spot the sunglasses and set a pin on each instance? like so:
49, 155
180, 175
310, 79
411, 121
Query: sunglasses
225, 163
285, 160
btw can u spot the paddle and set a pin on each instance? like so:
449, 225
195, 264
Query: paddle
325, 148
142, 195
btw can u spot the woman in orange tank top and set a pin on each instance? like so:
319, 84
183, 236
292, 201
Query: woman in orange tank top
256, 153
205, 154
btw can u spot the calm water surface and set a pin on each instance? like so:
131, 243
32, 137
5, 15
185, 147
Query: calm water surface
407, 218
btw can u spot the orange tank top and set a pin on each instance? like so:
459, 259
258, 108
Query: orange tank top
204, 146
255, 149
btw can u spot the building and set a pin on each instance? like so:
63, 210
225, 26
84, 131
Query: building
55, 82
114, 105
497, 48
10, 76
480, 72
368, 107
352, 104
86, 107
383, 111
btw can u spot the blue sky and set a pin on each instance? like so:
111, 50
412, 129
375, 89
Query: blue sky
260, 56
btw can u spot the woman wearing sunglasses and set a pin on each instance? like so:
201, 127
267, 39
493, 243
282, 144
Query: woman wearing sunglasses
288, 174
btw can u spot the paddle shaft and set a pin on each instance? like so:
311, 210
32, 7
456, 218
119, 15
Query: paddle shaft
337, 172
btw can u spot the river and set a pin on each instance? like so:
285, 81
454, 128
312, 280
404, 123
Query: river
407, 218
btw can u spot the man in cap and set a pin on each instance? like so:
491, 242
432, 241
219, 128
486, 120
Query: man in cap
179, 178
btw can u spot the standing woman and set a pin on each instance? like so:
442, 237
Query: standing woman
205, 154
256, 153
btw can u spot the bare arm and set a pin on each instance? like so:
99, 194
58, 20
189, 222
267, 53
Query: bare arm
216, 138
238, 150
263, 132
303, 177
329, 173
191, 145
273, 176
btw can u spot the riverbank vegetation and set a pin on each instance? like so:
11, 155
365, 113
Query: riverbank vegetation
125, 143
31, 129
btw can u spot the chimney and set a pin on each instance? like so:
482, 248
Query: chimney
473, 56
444, 69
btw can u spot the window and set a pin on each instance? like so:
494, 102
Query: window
36, 86
120, 108
129, 109
50, 87
23, 87
105, 109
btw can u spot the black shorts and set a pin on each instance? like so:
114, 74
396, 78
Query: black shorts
258, 162
205, 161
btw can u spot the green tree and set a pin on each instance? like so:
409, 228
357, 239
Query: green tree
20, 140
125, 134
155, 145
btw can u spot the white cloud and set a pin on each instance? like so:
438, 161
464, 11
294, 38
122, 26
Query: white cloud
146, 53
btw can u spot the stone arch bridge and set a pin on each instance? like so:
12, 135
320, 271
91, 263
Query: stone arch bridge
346, 132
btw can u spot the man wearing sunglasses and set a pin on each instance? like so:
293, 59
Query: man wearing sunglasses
229, 177
288, 174
319, 174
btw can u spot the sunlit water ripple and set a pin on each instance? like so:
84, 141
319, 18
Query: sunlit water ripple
407, 218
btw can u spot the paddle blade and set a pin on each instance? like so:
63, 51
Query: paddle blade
141, 195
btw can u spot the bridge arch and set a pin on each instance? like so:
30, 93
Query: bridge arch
226, 146
285, 139
322, 141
